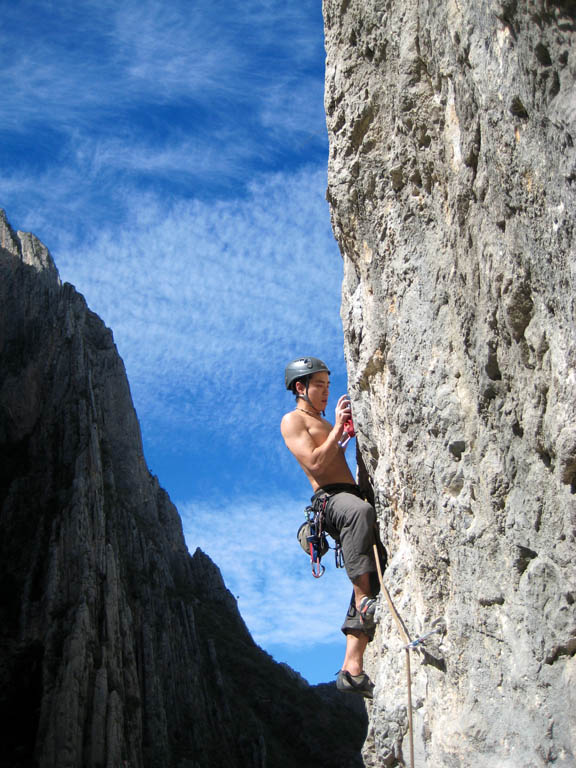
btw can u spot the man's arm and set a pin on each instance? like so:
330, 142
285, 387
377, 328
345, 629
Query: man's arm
315, 458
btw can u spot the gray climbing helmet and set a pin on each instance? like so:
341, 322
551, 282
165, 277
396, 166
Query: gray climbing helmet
303, 366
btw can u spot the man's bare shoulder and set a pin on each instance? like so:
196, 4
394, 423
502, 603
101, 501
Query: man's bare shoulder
292, 422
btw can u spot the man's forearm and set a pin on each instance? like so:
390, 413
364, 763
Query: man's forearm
327, 452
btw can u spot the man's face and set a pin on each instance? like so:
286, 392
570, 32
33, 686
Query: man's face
318, 390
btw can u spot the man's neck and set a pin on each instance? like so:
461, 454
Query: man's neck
309, 409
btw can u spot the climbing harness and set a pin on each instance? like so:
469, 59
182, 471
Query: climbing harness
314, 539
439, 628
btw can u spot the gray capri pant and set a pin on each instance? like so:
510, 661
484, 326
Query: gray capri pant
351, 520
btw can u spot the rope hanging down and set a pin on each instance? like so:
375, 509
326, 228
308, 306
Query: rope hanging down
439, 628
406, 638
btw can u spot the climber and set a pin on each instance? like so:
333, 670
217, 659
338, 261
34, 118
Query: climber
317, 446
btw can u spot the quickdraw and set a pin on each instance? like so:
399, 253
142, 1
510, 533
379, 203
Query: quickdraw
439, 628
317, 543
349, 433
313, 538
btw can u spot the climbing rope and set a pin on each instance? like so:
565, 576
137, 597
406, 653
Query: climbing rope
438, 628
406, 638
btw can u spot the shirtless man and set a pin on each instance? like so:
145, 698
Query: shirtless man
317, 446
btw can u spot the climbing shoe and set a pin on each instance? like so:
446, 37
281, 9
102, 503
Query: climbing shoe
361, 684
367, 609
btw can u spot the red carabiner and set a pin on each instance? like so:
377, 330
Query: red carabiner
349, 428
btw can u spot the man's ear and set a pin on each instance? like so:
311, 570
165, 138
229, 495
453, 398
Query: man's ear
300, 388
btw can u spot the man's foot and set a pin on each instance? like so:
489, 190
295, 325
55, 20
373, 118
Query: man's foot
367, 609
361, 684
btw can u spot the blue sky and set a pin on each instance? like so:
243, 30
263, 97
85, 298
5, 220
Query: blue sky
172, 155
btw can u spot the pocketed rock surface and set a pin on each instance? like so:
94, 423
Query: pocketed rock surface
452, 187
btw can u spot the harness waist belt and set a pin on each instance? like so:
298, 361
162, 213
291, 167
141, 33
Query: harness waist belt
333, 488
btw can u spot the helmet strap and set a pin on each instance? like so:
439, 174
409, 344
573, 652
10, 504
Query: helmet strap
306, 398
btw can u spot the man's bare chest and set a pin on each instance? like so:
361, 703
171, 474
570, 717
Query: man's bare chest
319, 432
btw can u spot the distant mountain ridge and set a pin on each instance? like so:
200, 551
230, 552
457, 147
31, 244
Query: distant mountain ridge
118, 648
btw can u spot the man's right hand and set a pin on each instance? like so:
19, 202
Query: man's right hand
343, 410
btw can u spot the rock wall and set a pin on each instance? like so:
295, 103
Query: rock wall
117, 648
452, 187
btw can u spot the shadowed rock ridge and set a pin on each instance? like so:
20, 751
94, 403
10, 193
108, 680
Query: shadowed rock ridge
117, 648
452, 191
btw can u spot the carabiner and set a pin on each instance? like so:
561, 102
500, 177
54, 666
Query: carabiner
317, 568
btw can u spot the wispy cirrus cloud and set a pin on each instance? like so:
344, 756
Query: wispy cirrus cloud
222, 292
104, 98
201, 157
91, 60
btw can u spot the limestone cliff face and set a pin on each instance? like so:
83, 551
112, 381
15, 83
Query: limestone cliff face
117, 648
452, 185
